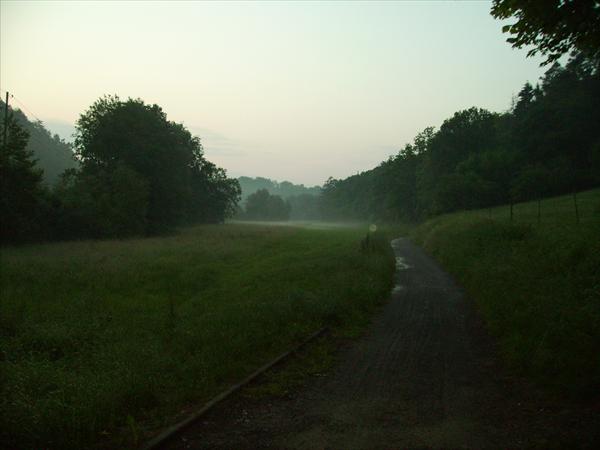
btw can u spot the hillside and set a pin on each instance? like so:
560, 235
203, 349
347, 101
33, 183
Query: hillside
535, 281
283, 189
53, 154
547, 144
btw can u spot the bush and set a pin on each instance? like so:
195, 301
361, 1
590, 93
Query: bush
102, 204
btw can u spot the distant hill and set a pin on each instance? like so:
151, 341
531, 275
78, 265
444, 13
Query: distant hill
53, 154
284, 189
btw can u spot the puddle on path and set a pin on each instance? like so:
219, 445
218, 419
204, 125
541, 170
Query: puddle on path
401, 263
398, 288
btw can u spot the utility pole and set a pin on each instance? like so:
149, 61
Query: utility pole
5, 120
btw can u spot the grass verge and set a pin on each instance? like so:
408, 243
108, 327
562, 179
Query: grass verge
103, 339
537, 286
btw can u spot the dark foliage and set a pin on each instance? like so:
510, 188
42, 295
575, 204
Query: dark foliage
304, 207
548, 144
102, 203
283, 189
263, 206
21, 190
137, 174
553, 27
139, 137
215, 196
303, 201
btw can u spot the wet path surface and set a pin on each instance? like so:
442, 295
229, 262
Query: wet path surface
422, 377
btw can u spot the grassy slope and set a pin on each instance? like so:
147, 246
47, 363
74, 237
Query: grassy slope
538, 286
98, 334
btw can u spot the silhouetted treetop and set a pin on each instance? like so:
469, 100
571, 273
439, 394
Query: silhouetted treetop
553, 27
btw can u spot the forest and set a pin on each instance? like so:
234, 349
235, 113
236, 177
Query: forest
547, 144
283, 189
133, 172
272, 200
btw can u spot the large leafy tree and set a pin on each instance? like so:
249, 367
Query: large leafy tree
101, 203
214, 196
443, 185
139, 136
165, 163
552, 27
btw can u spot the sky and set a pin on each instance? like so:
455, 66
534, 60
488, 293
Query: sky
296, 91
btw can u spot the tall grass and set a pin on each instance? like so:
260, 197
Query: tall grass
98, 337
563, 210
538, 286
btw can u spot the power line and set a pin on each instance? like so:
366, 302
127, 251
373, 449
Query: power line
22, 105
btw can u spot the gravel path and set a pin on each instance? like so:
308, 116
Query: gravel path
424, 376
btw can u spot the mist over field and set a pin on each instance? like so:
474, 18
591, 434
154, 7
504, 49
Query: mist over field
299, 225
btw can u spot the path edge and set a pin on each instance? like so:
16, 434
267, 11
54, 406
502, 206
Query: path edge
171, 431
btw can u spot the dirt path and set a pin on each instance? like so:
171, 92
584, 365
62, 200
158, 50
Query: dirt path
424, 376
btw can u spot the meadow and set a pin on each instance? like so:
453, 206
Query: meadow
103, 340
536, 283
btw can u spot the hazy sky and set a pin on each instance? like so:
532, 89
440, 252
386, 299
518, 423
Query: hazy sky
296, 91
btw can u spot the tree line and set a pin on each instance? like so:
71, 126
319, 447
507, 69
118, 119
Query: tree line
548, 143
283, 189
285, 200
263, 205
137, 174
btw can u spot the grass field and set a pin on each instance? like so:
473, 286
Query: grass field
102, 339
538, 286
552, 211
